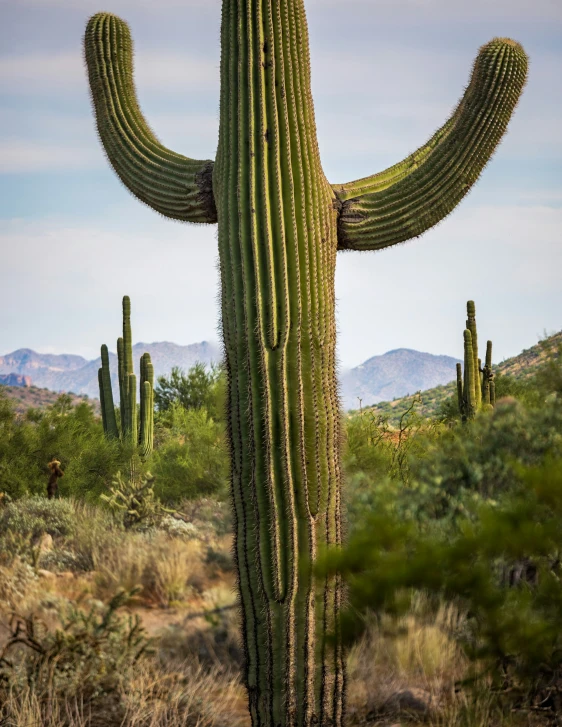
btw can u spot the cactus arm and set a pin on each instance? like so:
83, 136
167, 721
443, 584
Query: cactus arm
471, 325
470, 377
102, 401
122, 389
488, 375
411, 197
110, 422
460, 393
146, 406
170, 183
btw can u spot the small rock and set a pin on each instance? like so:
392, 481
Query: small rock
410, 700
49, 575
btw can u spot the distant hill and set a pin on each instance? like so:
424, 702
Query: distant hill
15, 380
66, 372
520, 366
396, 373
32, 397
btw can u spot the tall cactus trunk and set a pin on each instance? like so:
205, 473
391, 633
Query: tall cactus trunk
280, 224
277, 244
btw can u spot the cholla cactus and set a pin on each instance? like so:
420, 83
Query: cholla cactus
130, 431
280, 225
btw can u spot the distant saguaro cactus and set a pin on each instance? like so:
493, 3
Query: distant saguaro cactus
130, 431
476, 388
280, 225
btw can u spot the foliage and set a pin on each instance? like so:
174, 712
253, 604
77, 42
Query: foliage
461, 468
89, 653
191, 458
378, 458
199, 387
516, 633
70, 433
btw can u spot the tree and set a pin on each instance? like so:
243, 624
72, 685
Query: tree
194, 390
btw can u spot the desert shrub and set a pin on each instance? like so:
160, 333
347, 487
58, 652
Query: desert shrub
378, 458
513, 633
89, 654
477, 462
192, 458
201, 387
72, 434
33, 516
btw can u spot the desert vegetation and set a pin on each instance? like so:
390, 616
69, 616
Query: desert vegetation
118, 601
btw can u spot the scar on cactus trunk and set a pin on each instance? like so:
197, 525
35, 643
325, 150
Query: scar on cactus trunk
280, 226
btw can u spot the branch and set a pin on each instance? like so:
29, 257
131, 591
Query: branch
170, 183
409, 198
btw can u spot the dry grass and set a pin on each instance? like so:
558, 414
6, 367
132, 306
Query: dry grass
183, 696
416, 653
187, 696
167, 570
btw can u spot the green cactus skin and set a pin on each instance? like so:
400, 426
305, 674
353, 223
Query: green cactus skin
471, 387
131, 432
488, 377
471, 325
102, 401
121, 379
147, 406
460, 391
109, 419
280, 226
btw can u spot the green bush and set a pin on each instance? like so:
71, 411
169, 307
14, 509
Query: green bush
191, 459
34, 516
477, 462
200, 387
72, 434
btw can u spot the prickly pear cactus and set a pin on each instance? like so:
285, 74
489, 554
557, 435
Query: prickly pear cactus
280, 226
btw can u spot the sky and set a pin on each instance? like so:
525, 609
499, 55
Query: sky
385, 75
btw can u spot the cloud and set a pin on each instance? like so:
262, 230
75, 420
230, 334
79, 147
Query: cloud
476, 9
506, 258
520, 9
117, 6
66, 282
48, 74
27, 156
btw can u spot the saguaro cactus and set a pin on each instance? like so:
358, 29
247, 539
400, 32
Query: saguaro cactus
280, 226
476, 389
130, 431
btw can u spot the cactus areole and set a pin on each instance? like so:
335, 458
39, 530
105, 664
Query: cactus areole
280, 225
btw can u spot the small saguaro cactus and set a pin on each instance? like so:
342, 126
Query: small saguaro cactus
130, 431
475, 389
280, 225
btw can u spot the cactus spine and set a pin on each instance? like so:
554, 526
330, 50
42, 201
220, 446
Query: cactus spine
131, 433
280, 226
476, 389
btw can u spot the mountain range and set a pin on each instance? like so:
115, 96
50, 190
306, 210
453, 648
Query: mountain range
380, 378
